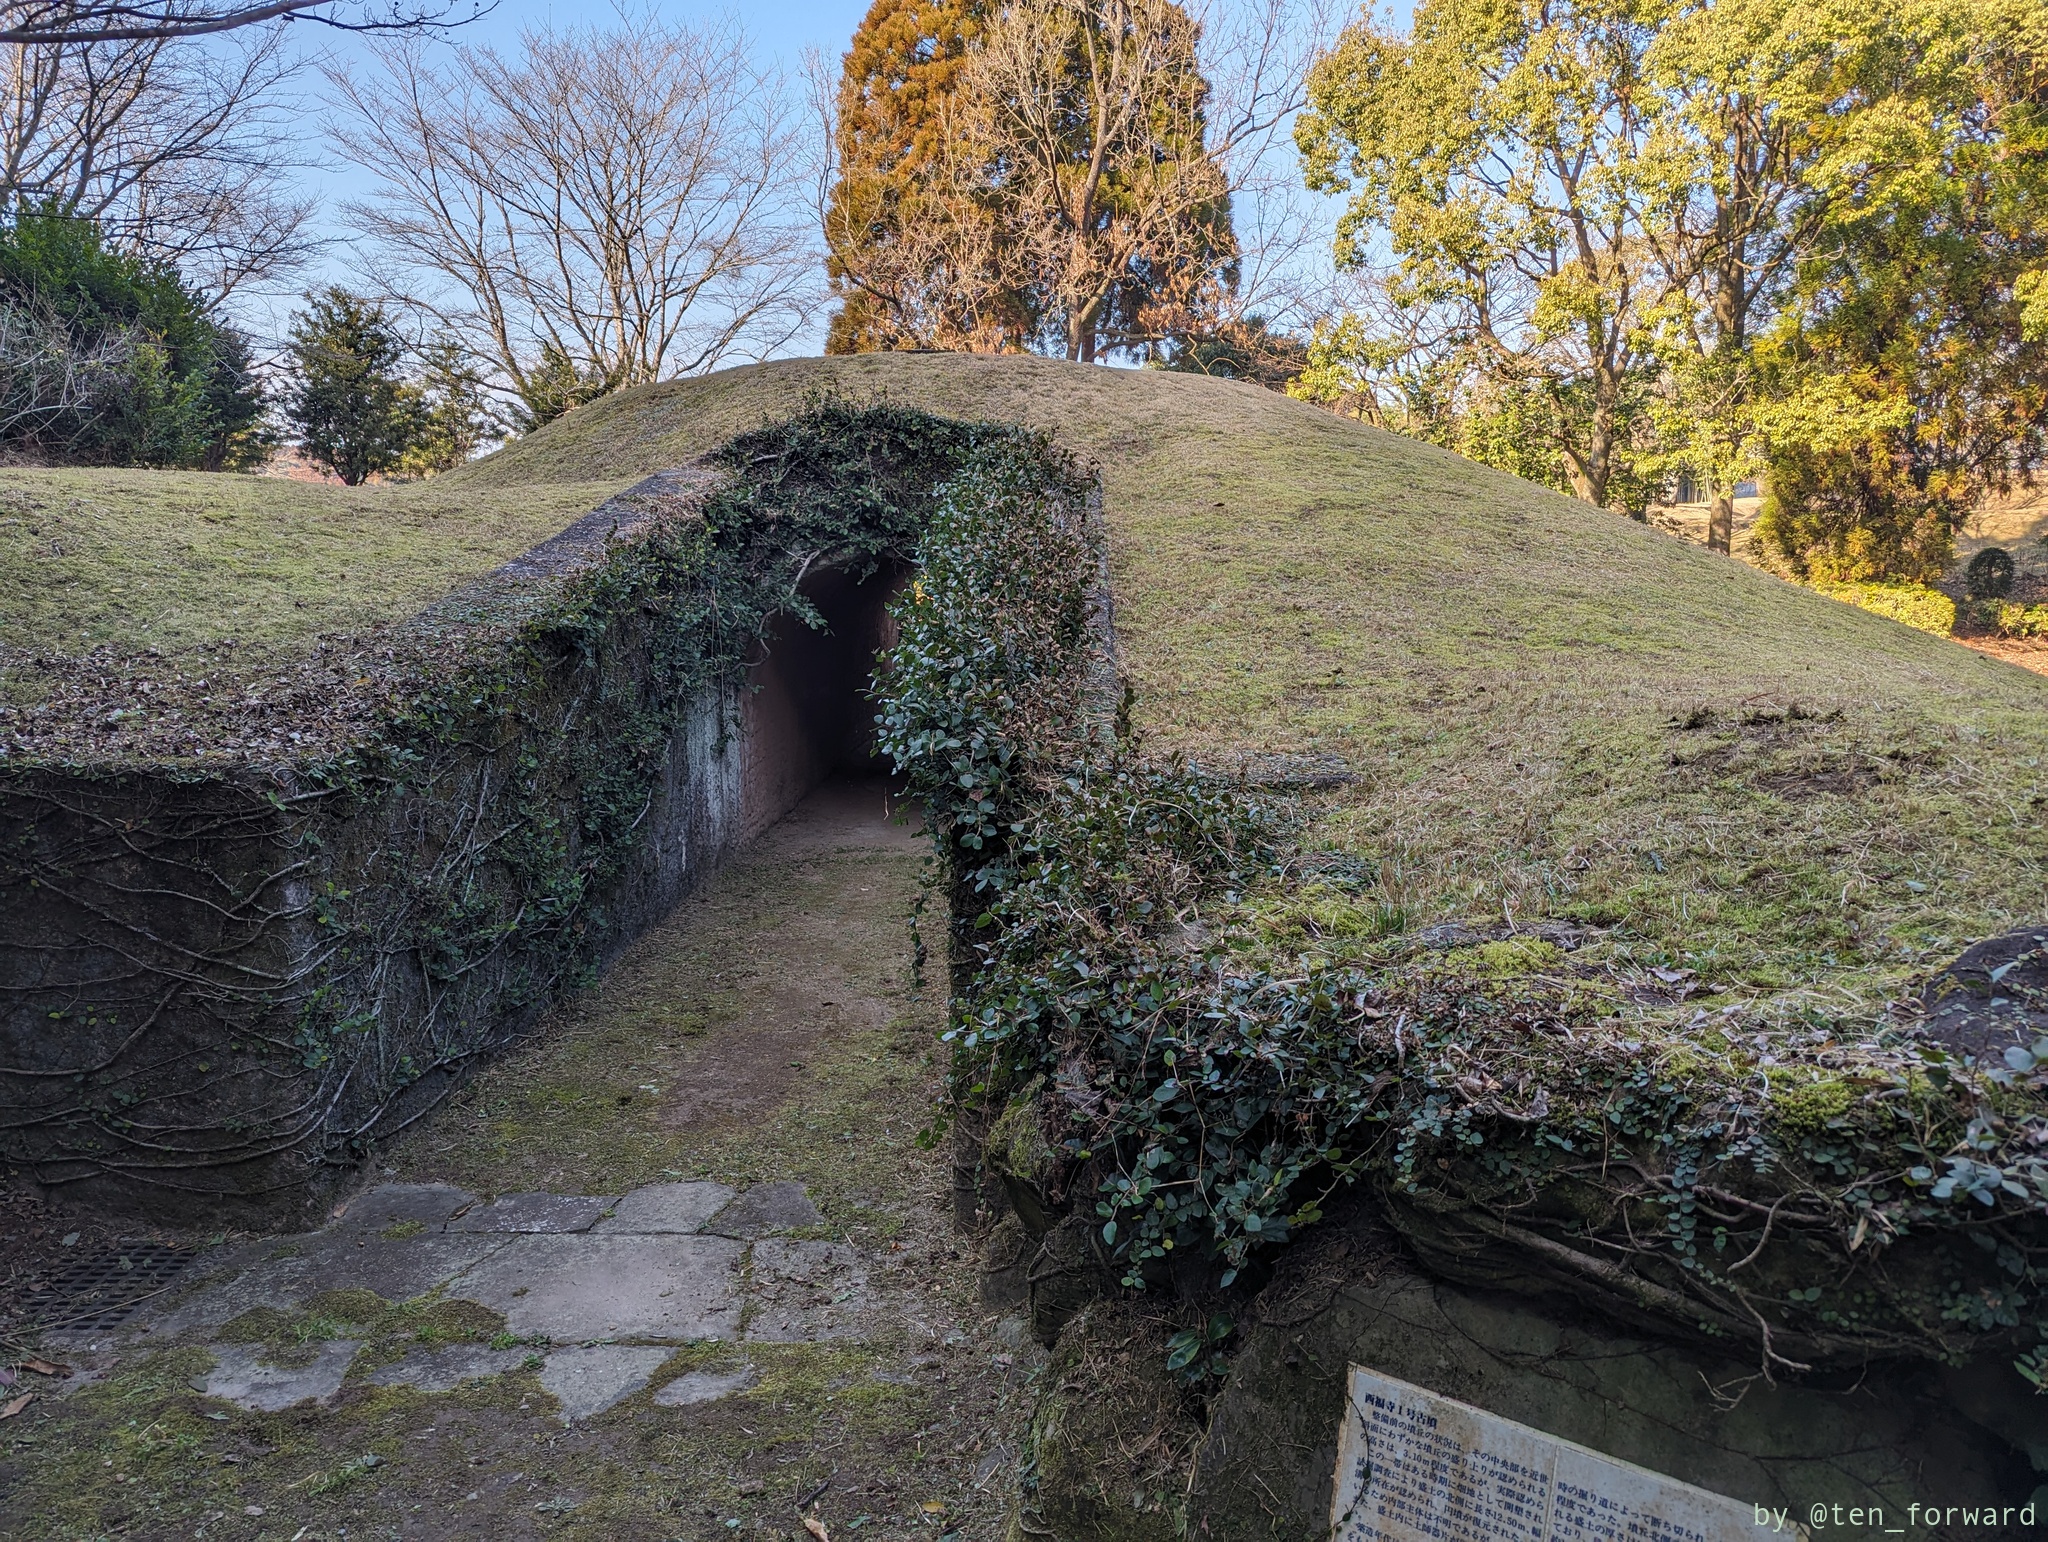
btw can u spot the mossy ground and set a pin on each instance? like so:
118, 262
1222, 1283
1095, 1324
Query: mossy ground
768, 1028
799, 951
171, 559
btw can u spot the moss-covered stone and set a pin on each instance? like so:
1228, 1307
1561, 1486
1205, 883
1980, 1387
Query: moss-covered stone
1105, 1458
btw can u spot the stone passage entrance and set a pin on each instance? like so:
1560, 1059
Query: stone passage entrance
677, 1270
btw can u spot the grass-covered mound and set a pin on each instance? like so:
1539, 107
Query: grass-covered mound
1576, 892
1545, 711
1197, 1022
170, 615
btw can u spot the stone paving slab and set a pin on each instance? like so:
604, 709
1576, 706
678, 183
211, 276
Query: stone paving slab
706, 1386
589, 1380
571, 1288
240, 1377
446, 1368
395, 1204
806, 1291
667, 1207
557, 1213
342, 1259
765, 1209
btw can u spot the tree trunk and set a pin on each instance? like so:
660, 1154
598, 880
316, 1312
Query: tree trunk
1591, 470
1721, 517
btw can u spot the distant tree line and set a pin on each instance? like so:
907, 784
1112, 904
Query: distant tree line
1603, 244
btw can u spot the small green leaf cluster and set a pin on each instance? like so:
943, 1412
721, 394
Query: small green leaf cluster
1195, 1354
2009, 619
1916, 605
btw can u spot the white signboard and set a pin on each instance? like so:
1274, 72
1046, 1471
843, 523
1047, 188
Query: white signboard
1415, 1467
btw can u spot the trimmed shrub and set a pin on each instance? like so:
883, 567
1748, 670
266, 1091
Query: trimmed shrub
1989, 574
2012, 620
1914, 605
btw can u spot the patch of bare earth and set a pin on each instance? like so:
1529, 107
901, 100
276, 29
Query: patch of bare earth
2027, 652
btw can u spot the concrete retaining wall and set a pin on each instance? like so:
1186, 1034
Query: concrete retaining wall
219, 992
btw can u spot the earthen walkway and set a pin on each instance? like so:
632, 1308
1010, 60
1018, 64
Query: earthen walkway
680, 1269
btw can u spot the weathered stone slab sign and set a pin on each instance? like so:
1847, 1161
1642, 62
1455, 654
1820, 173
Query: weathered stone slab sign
1416, 1467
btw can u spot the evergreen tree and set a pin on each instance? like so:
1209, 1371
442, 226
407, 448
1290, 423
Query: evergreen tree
458, 416
1906, 379
353, 410
1034, 174
106, 359
895, 95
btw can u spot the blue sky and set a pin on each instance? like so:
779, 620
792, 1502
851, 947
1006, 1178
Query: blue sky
780, 35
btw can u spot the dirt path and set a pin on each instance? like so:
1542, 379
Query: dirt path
674, 1269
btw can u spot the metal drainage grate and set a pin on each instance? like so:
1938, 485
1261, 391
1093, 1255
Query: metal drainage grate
100, 1292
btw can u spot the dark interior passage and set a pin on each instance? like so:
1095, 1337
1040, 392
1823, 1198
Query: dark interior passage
806, 716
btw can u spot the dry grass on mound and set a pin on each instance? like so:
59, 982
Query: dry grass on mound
1549, 712
169, 559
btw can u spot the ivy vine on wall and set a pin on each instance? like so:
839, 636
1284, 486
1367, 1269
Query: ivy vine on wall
1138, 1032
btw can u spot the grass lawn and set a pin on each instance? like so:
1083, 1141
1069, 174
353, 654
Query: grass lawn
168, 559
1550, 713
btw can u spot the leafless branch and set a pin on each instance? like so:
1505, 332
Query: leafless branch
46, 22
1095, 155
174, 149
626, 200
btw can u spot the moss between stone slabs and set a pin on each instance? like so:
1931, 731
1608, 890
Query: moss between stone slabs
910, 1429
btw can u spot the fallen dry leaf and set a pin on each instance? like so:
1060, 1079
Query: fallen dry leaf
816, 1528
45, 1367
16, 1405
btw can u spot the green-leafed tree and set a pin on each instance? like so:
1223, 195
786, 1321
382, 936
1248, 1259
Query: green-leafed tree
458, 415
1498, 151
349, 402
107, 359
1906, 380
1789, 238
1741, 94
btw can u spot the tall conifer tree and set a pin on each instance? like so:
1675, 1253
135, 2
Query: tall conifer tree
895, 100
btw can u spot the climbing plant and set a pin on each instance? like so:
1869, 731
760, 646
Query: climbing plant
1195, 1030
275, 966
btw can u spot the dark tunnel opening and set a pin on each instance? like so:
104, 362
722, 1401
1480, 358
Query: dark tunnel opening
806, 717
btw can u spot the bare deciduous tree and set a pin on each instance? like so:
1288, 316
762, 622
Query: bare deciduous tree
136, 21
47, 375
605, 208
1086, 133
173, 149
